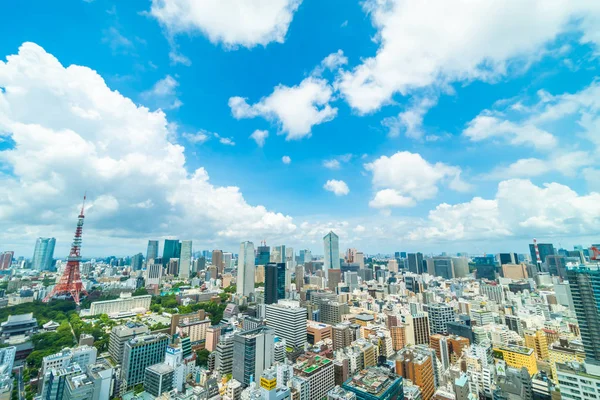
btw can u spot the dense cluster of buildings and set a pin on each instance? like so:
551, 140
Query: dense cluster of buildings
407, 326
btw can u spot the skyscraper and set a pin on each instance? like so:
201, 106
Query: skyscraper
152, 252
439, 315
185, 259
274, 282
331, 245
546, 249
43, 255
139, 353
585, 284
217, 260
289, 323
263, 254
172, 249
415, 263
253, 352
278, 254
245, 269
6, 259
137, 261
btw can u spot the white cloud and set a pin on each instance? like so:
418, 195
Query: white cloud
230, 22
331, 164
487, 125
336, 163
72, 134
286, 159
387, 198
567, 164
339, 188
295, 109
435, 43
118, 43
332, 62
164, 94
519, 208
198, 137
259, 137
412, 176
410, 121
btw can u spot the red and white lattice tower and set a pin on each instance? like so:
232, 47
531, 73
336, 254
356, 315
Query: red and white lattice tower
537, 255
70, 281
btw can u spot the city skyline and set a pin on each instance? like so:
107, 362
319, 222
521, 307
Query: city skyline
483, 139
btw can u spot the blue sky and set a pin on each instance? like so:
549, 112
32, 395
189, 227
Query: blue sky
423, 109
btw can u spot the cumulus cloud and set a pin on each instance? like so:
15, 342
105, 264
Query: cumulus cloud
339, 188
519, 208
387, 198
487, 125
230, 22
411, 176
565, 163
435, 43
410, 121
286, 159
72, 133
163, 94
332, 62
336, 162
259, 137
295, 109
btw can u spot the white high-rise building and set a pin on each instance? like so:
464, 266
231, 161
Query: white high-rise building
185, 260
331, 243
154, 274
288, 320
246, 269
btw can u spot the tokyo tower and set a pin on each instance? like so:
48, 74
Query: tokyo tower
70, 281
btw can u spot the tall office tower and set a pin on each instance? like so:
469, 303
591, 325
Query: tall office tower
332, 312
253, 352
439, 315
6, 259
172, 249
392, 266
152, 251
557, 266
263, 254
417, 331
227, 260
508, 258
274, 282
342, 336
121, 334
139, 353
415, 263
417, 367
245, 269
278, 254
289, 323
461, 267
585, 283
351, 255
359, 259
217, 261
173, 267
546, 249
331, 248
185, 259
158, 379
224, 355
137, 261
43, 254
305, 256
443, 267
335, 277
299, 277
55, 381
154, 274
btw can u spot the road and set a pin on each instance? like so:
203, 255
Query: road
20, 383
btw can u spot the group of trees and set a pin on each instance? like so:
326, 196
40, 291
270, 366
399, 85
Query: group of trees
169, 304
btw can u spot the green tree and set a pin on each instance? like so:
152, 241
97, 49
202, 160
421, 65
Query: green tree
202, 357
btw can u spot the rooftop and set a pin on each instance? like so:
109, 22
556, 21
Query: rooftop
160, 368
526, 351
375, 381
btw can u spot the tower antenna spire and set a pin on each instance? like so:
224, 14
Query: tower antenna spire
70, 282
